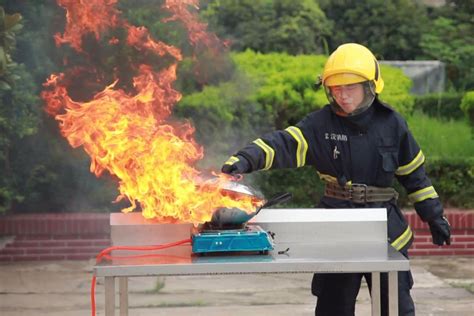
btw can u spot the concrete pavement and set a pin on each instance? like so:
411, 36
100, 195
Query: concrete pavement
62, 288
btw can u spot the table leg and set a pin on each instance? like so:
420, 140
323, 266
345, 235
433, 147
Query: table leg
123, 290
109, 296
375, 294
393, 293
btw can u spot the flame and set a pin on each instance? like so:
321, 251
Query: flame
131, 135
83, 17
197, 31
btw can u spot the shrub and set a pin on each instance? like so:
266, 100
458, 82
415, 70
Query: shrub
286, 84
397, 90
467, 106
294, 27
453, 179
440, 105
303, 183
441, 139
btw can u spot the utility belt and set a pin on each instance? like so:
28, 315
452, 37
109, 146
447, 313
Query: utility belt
360, 193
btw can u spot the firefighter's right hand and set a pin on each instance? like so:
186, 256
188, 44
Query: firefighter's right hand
236, 165
440, 231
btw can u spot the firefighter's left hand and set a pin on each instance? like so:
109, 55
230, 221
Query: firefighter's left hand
236, 165
440, 231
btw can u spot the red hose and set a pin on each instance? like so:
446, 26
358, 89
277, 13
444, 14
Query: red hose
105, 254
93, 295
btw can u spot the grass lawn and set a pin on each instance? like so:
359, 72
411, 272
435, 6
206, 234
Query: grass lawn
442, 138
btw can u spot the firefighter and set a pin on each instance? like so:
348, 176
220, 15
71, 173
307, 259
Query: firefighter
358, 145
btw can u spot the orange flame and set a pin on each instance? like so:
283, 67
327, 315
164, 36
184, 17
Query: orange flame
84, 17
132, 136
197, 31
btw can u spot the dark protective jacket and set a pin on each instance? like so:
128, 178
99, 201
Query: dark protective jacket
370, 148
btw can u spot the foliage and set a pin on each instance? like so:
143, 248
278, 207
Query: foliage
451, 40
467, 105
286, 85
282, 89
18, 117
449, 149
441, 139
440, 105
9, 24
35, 44
389, 28
295, 27
396, 91
453, 179
52, 177
201, 65
225, 117
40, 172
303, 183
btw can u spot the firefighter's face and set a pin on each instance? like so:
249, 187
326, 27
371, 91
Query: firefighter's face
348, 97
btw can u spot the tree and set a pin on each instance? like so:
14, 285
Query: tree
294, 27
35, 46
451, 40
39, 172
390, 28
18, 116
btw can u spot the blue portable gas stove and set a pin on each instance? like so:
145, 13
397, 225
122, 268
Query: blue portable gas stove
229, 231
247, 238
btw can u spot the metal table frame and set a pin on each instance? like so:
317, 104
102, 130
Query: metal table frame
302, 258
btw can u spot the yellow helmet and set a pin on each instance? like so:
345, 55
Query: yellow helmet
352, 63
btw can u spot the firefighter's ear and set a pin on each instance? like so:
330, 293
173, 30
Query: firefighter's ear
317, 84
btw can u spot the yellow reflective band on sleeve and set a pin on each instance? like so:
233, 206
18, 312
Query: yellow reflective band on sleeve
412, 166
302, 145
269, 153
403, 239
423, 194
231, 160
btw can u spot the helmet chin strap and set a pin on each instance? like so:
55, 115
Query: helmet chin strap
369, 96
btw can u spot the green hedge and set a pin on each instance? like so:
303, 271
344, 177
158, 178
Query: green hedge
286, 84
270, 91
303, 183
440, 105
467, 106
452, 179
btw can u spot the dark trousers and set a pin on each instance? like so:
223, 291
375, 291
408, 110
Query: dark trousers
337, 293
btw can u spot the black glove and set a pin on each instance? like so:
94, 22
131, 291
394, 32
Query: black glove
440, 231
236, 165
